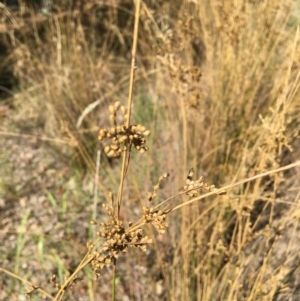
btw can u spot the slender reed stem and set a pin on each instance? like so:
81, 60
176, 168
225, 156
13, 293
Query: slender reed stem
84, 262
217, 191
123, 174
133, 53
130, 94
95, 202
126, 154
13, 275
113, 285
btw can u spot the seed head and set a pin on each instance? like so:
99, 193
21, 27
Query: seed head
121, 135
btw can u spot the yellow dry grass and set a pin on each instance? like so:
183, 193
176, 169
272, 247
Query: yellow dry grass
217, 84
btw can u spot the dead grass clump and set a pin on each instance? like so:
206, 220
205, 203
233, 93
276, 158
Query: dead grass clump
217, 85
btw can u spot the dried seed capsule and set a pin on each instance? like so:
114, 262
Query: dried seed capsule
113, 131
119, 128
122, 139
106, 149
115, 147
112, 119
102, 132
111, 154
111, 109
142, 128
123, 110
117, 105
125, 117
53, 278
146, 133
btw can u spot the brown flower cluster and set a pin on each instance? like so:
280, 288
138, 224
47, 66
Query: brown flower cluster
123, 135
193, 188
152, 195
117, 239
156, 218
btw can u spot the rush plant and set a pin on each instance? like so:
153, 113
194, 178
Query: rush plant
217, 264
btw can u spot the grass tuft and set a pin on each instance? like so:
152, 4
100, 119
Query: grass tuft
200, 98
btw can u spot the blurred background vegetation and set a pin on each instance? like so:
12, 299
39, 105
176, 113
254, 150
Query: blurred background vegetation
218, 85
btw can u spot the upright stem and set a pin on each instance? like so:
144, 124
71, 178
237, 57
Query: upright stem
96, 184
186, 211
132, 75
113, 285
126, 155
133, 55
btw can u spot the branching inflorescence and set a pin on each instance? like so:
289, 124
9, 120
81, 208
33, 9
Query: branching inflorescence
113, 238
117, 239
132, 135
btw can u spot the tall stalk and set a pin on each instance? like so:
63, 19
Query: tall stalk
126, 153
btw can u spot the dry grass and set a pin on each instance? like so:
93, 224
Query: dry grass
217, 85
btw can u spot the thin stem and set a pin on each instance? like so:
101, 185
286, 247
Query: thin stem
26, 282
218, 191
113, 285
133, 53
123, 174
96, 184
84, 262
126, 154
63, 288
132, 74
